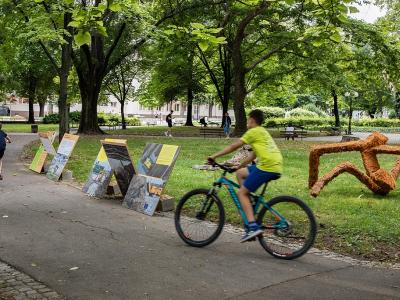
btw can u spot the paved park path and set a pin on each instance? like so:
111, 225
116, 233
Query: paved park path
86, 248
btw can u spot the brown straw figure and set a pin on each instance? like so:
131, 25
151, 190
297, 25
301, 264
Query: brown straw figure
376, 179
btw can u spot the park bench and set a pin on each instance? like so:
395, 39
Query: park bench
211, 132
151, 123
293, 133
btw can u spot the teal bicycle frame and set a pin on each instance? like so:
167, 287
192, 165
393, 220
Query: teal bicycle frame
231, 185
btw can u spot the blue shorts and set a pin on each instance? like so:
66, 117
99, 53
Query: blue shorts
258, 177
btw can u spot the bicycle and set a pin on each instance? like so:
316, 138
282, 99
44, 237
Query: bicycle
288, 223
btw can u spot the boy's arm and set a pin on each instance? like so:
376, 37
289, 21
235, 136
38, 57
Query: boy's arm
8, 139
229, 149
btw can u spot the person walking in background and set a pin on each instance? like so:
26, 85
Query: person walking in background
4, 139
227, 122
168, 119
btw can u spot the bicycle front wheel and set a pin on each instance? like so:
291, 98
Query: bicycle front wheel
199, 218
289, 227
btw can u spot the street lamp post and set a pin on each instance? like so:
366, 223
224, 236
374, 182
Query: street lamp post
355, 95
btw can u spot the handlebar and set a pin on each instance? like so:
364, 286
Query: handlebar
222, 167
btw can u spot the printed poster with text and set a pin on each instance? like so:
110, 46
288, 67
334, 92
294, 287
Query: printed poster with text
100, 175
60, 160
47, 139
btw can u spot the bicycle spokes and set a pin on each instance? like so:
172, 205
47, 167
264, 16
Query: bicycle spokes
287, 228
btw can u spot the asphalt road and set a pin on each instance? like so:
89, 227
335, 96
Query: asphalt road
117, 253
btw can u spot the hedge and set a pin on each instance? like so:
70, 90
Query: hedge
330, 121
102, 118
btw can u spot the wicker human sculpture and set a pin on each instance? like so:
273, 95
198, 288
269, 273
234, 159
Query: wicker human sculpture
376, 179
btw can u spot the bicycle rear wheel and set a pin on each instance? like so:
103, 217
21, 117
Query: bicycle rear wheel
289, 227
199, 218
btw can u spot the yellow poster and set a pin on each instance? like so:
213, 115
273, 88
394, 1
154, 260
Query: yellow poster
167, 154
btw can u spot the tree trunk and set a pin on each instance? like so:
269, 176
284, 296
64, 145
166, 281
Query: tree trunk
210, 109
90, 80
336, 108
41, 108
123, 114
31, 97
66, 63
88, 123
189, 121
397, 104
239, 89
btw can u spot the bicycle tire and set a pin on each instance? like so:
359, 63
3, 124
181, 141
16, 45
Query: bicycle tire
312, 231
179, 213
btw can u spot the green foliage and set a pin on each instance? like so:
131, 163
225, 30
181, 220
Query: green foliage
301, 112
114, 119
51, 119
299, 121
273, 111
321, 122
315, 109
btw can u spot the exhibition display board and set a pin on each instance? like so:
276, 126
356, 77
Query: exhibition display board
60, 160
154, 168
120, 161
46, 147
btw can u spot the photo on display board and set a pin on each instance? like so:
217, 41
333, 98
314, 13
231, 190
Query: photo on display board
61, 158
144, 194
100, 176
120, 162
57, 166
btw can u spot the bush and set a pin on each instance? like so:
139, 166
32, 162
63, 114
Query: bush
380, 122
273, 111
299, 121
301, 112
330, 121
315, 109
51, 119
75, 117
133, 121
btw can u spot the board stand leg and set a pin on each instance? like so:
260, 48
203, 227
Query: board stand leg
166, 203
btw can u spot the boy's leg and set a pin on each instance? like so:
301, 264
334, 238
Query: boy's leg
243, 194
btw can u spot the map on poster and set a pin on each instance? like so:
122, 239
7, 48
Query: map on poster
154, 168
100, 176
144, 194
61, 158
47, 139
120, 162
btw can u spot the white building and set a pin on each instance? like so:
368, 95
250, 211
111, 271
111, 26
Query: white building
135, 109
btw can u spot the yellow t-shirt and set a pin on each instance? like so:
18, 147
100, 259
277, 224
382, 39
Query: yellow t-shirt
267, 152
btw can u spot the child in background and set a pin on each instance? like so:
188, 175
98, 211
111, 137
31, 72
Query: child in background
4, 139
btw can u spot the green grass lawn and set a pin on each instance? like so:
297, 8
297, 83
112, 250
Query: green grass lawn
26, 128
352, 219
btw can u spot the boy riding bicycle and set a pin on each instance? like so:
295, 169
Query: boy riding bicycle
250, 178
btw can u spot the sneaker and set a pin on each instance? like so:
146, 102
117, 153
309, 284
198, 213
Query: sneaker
166, 133
251, 234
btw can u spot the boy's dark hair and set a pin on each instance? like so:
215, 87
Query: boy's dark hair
258, 116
